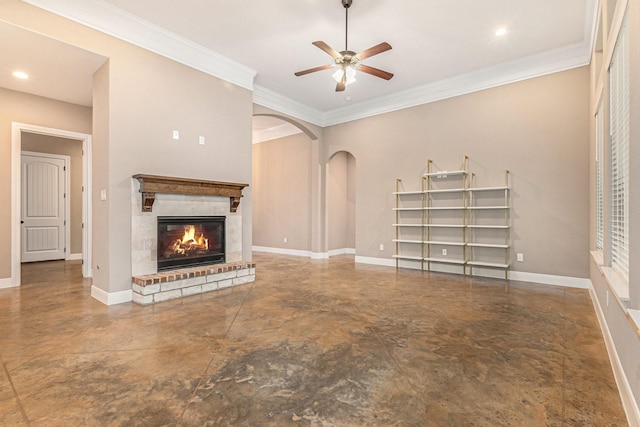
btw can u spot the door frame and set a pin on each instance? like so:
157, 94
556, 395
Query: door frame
16, 181
66, 201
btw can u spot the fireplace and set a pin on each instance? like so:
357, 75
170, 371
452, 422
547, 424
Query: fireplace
190, 241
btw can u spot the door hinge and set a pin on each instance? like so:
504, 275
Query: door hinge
83, 225
65, 250
65, 195
64, 168
65, 222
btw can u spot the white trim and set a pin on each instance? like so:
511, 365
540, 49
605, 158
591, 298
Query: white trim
545, 63
111, 20
114, 21
549, 279
111, 298
342, 251
280, 131
293, 252
544, 279
376, 261
626, 393
67, 192
74, 257
16, 179
7, 283
530, 67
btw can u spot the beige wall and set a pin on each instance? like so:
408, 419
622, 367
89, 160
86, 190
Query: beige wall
282, 171
35, 110
538, 129
142, 97
73, 149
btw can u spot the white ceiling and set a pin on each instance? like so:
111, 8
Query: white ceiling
441, 48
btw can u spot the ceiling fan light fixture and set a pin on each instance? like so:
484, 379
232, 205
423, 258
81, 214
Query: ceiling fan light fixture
340, 72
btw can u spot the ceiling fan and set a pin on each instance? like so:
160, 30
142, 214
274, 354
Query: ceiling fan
347, 62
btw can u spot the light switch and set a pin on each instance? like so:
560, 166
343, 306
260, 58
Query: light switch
176, 135
103, 194
201, 140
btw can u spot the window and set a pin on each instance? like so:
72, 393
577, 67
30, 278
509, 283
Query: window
599, 180
619, 174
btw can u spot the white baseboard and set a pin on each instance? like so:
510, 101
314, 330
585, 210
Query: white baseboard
7, 283
626, 394
292, 252
544, 279
342, 251
376, 261
74, 257
111, 298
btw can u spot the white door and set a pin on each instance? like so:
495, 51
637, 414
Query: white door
43, 207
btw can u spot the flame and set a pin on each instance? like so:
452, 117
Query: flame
190, 242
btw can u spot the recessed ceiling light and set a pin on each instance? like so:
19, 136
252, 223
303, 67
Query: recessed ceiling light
20, 75
501, 31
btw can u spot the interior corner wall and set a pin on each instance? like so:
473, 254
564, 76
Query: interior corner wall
282, 170
538, 129
149, 96
30, 109
72, 148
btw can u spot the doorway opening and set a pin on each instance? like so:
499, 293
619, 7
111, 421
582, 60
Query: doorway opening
19, 131
341, 204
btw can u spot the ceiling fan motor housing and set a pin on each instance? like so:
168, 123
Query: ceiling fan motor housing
347, 3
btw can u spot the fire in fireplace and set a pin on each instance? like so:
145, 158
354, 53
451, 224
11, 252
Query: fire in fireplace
190, 241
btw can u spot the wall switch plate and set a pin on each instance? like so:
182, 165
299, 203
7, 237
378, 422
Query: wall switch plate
103, 194
520, 256
285, 240
201, 140
444, 252
176, 135
381, 246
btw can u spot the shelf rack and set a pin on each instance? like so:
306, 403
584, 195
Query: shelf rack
448, 203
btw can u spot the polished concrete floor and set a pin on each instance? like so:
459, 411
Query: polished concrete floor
310, 343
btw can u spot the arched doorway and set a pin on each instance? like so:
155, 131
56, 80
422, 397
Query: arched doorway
283, 181
341, 204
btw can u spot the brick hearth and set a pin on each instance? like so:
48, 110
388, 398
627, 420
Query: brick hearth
168, 285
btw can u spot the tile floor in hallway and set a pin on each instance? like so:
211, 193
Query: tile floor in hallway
310, 343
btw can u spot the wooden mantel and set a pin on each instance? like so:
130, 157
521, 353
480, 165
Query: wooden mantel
152, 184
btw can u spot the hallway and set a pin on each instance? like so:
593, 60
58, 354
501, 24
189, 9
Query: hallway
310, 343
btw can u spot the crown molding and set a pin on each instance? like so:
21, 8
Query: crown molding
282, 104
108, 19
116, 22
276, 132
506, 73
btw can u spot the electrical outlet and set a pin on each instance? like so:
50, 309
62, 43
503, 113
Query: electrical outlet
201, 140
444, 252
520, 256
176, 135
381, 247
285, 240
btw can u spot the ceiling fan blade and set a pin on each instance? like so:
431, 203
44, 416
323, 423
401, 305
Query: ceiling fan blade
342, 84
331, 51
313, 70
375, 72
379, 48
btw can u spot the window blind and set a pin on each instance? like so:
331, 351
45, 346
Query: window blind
619, 129
599, 181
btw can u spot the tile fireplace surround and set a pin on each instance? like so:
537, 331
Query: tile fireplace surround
148, 285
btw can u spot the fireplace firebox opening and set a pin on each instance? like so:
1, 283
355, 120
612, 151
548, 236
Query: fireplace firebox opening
190, 241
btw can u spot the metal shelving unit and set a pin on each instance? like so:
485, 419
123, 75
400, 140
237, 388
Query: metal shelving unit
450, 214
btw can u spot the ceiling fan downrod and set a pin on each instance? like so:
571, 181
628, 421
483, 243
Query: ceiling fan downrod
347, 5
